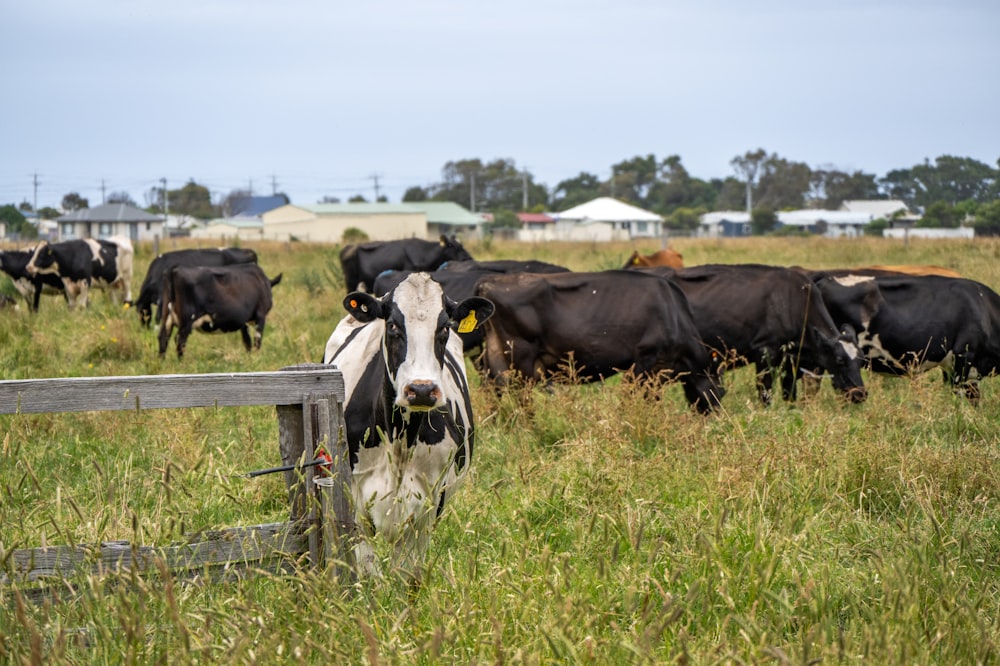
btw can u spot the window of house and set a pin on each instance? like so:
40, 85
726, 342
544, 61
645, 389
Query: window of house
67, 231
104, 229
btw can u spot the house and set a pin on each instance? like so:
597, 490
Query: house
327, 223
725, 224
829, 223
115, 219
601, 219
893, 210
238, 228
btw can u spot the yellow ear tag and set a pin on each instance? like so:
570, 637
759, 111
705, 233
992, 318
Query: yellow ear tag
468, 324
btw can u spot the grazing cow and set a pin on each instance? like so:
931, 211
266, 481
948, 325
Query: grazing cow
83, 263
407, 411
504, 266
363, 262
908, 324
774, 318
31, 286
602, 323
215, 299
667, 257
152, 286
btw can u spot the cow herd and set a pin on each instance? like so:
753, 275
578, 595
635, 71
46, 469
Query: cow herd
415, 309
208, 290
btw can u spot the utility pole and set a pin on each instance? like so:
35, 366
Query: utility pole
35, 200
524, 190
104, 198
472, 192
165, 212
374, 177
274, 185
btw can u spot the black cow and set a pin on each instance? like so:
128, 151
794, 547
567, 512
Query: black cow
215, 299
83, 263
152, 286
773, 318
31, 286
603, 323
363, 262
407, 412
503, 266
909, 324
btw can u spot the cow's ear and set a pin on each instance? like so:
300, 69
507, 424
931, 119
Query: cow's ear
471, 313
363, 307
444, 241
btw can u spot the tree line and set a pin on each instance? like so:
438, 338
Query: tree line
948, 191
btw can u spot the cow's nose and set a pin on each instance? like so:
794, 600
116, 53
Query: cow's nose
422, 394
857, 394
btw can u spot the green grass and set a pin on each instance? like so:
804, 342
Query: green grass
596, 526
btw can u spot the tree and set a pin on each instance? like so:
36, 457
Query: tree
357, 198
633, 180
575, 191
949, 179
73, 201
48, 213
747, 166
415, 193
17, 223
685, 218
193, 199
987, 219
830, 188
497, 185
121, 197
235, 202
782, 184
939, 214
763, 220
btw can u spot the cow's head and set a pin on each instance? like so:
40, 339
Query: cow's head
842, 358
43, 260
419, 320
453, 250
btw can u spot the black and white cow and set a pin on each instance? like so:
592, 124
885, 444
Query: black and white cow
908, 324
218, 299
152, 285
30, 286
362, 262
83, 263
407, 411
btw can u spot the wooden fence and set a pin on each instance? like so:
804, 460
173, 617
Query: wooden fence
309, 402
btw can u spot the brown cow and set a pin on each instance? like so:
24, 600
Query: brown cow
914, 270
669, 258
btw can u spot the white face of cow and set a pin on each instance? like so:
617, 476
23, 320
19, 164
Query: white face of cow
417, 330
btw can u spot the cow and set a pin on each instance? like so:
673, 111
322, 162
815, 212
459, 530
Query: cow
214, 299
666, 257
363, 262
773, 318
503, 266
908, 324
911, 269
30, 286
152, 285
83, 263
407, 412
602, 323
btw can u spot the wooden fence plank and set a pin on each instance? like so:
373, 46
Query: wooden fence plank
245, 545
291, 386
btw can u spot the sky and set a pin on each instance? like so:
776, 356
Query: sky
318, 98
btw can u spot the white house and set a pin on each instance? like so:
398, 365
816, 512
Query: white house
602, 219
115, 219
830, 223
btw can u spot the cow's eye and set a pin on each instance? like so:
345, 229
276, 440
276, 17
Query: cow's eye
442, 334
393, 329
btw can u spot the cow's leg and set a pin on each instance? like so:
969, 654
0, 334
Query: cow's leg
166, 328
245, 332
183, 332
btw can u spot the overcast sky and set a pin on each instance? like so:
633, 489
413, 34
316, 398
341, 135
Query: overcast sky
320, 97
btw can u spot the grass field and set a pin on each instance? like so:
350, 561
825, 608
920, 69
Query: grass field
595, 526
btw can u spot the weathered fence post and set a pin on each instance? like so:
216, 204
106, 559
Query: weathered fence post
329, 518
